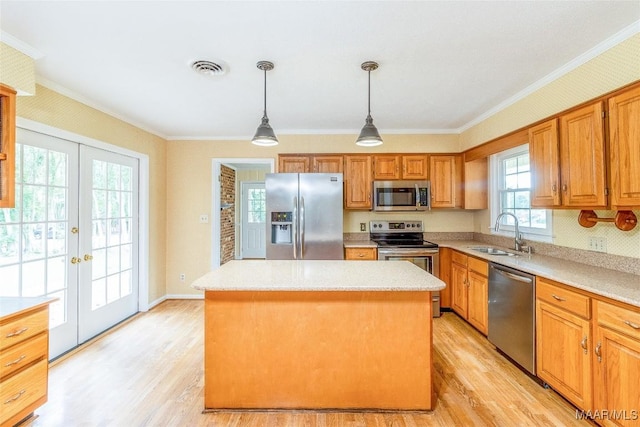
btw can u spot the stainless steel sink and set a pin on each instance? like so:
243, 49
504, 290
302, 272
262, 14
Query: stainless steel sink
493, 251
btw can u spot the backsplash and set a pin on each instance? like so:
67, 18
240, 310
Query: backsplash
597, 259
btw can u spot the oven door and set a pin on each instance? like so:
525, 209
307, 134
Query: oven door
426, 259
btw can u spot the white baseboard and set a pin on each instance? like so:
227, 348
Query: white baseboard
184, 296
156, 302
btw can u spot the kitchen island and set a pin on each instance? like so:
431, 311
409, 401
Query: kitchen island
318, 335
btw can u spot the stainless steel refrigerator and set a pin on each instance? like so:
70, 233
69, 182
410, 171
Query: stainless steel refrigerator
304, 215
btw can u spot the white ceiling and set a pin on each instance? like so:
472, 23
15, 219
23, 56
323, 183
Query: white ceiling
443, 64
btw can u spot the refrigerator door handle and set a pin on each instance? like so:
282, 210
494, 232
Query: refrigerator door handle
301, 227
295, 228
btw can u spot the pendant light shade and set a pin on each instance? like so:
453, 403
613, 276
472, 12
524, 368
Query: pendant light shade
369, 136
265, 136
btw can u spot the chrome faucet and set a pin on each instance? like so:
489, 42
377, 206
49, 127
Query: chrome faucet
518, 242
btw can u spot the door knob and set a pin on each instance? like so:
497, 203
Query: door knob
74, 230
76, 260
88, 257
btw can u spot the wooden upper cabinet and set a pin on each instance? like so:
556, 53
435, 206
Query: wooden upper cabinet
327, 164
397, 166
7, 146
624, 148
357, 181
544, 152
443, 180
303, 164
293, 164
386, 166
582, 158
415, 166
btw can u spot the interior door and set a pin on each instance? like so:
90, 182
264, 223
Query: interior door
38, 238
108, 285
254, 216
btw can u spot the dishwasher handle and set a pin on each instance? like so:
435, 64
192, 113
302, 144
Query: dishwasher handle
514, 276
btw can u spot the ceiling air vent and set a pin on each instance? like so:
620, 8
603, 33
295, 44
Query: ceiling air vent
208, 68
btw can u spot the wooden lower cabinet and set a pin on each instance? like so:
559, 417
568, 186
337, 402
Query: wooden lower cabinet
24, 350
470, 290
588, 350
563, 356
444, 273
360, 254
617, 365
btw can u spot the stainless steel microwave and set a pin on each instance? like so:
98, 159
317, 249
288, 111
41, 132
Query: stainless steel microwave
401, 195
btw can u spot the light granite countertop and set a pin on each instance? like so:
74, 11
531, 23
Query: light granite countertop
619, 286
360, 244
10, 306
317, 275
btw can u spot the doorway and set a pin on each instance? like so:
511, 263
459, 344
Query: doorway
73, 235
247, 170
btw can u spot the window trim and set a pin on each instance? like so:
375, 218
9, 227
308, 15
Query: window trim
495, 175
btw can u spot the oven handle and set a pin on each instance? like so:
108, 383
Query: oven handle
408, 252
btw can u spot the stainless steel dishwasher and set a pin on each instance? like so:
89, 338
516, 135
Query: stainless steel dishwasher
512, 314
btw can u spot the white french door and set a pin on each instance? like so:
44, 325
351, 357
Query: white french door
108, 291
76, 242
254, 213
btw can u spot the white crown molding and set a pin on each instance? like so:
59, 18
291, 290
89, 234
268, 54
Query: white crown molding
598, 49
21, 46
80, 98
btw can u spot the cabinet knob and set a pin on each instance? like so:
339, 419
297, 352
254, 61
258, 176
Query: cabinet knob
564, 187
598, 351
583, 344
554, 187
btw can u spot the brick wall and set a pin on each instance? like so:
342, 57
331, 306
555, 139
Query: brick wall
227, 224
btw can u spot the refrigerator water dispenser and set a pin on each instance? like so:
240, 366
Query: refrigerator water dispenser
281, 228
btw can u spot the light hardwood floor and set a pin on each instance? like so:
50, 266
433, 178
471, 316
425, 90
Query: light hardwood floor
149, 372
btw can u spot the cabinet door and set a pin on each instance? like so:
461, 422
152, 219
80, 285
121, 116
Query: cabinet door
327, 164
459, 291
360, 254
386, 167
582, 160
7, 146
293, 164
478, 301
415, 167
563, 355
445, 276
544, 153
624, 140
616, 376
443, 186
357, 180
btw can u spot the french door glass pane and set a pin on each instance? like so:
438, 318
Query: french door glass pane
33, 235
112, 195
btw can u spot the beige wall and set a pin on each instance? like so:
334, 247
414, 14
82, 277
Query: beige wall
51, 108
17, 70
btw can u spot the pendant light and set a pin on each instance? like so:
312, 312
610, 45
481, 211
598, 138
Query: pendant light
265, 136
369, 136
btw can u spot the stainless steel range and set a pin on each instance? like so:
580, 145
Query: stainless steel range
403, 241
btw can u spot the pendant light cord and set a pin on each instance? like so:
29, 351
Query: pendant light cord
265, 93
369, 92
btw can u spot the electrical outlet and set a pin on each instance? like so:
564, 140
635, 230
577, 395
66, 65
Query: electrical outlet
204, 219
363, 226
182, 277
598, 244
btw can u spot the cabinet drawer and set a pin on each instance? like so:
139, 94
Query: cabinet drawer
23, 327
619, 319
571, 301
361, 253
23, 354
479, 266
23, 390
459, 258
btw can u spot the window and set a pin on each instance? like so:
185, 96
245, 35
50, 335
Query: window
511, 176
